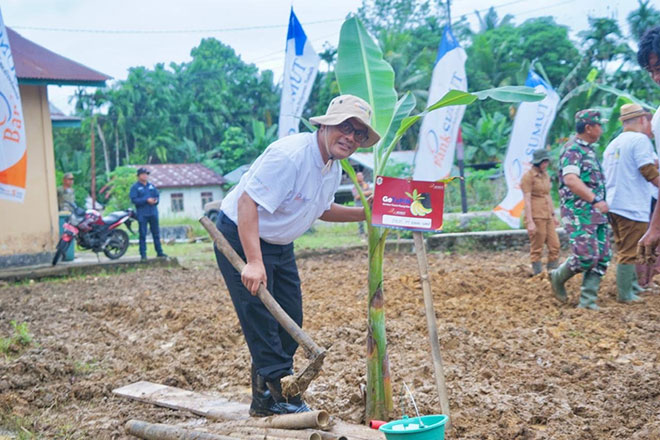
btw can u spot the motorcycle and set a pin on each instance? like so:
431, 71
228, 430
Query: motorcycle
96, 233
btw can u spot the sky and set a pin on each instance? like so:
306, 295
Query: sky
112, 36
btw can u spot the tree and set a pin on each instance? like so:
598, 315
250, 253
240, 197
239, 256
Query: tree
491, 21
642, 19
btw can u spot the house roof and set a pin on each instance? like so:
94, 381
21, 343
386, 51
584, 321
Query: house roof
59, 119
182, 175
37, 65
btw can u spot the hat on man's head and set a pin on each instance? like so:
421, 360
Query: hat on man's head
142, 171
344, 107
539, 156
67, 176
589, 116
631, 111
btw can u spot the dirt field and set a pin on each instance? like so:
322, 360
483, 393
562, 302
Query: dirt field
518, 365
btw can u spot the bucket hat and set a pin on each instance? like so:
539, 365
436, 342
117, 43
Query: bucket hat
631, 111
344, 107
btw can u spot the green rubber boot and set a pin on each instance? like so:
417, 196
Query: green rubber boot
589, 291
552, 265
537, 267
558, 278
637, 288
625, 277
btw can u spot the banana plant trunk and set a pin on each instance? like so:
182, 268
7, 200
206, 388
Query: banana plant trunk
379, 384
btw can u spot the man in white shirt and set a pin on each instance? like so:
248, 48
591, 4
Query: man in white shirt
288, 187
648, 57
629, 164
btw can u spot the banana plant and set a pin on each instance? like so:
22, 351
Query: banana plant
362, 71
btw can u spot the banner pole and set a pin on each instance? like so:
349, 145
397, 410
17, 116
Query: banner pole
460, 154
93, 165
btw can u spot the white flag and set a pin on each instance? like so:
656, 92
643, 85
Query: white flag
13, 154
437, 136
530, 128
301, 64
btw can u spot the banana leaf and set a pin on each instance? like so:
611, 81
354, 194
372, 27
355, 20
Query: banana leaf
511, 94
403, 108
362, 71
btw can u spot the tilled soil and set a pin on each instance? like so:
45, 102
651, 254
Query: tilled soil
518, 364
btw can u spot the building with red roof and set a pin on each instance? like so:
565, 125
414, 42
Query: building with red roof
29, 231
184, 188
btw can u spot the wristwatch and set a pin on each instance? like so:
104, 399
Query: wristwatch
596, 200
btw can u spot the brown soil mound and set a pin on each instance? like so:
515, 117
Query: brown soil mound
518, 365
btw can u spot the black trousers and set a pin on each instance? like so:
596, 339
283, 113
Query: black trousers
152, 222
271, 347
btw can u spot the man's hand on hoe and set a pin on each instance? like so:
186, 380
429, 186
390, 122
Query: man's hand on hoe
254, 274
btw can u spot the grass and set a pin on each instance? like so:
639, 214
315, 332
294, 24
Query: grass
321, 236
19, 339
329, 235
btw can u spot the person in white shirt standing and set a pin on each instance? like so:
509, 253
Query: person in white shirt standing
648, 57
629, 164
288, 187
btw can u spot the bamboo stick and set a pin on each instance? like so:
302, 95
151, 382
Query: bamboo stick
423, 264
306, 420
274, 432
158, 431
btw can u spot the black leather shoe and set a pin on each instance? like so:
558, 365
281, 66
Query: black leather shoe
162, 255
264, 402
284, 405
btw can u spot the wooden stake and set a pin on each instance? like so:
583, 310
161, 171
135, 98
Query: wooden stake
423, 264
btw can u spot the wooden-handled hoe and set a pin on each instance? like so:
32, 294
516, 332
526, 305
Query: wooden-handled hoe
291, 385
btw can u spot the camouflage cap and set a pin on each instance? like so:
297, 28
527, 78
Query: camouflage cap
67, 176
588, 116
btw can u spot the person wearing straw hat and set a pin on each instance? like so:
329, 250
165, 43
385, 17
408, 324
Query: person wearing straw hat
540, 218
288, 187
629, 163
583, 211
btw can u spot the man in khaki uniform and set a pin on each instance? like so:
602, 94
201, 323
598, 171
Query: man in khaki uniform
65, 193
539, 212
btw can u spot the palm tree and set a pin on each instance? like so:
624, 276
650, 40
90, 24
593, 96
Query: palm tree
642, 18
490, 20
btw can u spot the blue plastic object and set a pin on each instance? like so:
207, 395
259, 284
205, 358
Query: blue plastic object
70, 252
416, 428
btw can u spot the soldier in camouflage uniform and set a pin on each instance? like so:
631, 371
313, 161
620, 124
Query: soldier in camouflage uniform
583, 211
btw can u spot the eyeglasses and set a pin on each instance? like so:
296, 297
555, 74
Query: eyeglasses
347, 128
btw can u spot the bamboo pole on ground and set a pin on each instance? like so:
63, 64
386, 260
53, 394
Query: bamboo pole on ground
420, 250
273, 432
158, 431
306, 420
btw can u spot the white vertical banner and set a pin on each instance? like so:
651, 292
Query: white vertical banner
530, 129
301, 65
13, 153
437, 135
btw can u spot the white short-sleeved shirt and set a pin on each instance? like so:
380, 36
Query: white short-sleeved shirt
655, 127
626, 188
287, 184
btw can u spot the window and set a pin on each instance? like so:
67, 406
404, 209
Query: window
206, 197
177, 202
